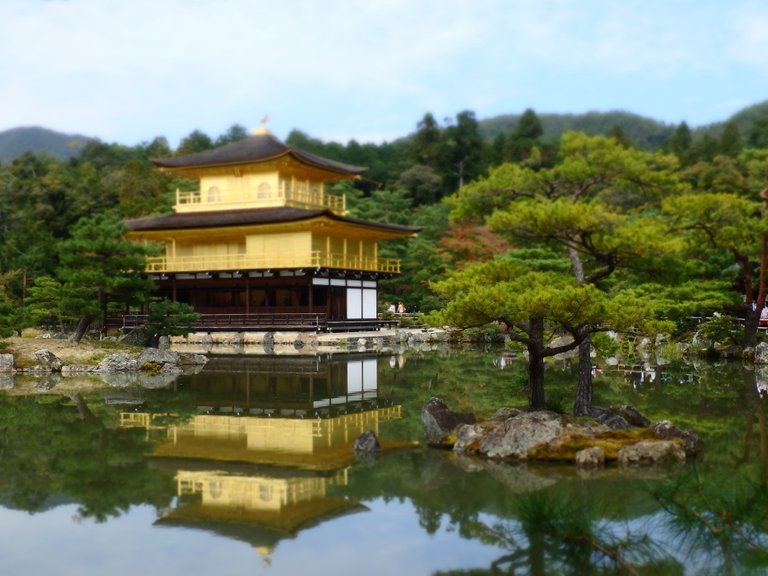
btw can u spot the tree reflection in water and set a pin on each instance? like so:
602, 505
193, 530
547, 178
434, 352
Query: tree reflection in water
712, 526
723, 517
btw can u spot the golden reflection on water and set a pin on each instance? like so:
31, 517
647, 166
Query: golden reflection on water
253, 468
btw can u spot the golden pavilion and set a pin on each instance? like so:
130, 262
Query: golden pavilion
263, 242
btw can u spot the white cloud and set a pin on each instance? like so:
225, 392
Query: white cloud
128, 71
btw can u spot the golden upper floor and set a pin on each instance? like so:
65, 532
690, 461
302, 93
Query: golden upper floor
262, 190
258, 172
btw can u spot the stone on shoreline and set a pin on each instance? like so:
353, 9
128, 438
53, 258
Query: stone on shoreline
652, 452
6, 363
592, 457
366, 443
48, 359
119, 362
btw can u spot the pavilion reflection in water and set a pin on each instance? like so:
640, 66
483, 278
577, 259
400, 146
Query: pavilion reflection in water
271, 436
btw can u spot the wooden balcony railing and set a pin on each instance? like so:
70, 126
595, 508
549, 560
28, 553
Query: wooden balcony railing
288, 193
316, 259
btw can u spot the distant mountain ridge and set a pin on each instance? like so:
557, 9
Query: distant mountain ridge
643, 132
18, 141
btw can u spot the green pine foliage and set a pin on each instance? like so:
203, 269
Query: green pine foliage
99, 267
631, 176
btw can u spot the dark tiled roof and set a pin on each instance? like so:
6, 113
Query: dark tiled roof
248, 217
256, 148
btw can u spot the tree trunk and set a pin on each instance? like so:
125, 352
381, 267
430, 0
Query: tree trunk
582, 405
103, 300
753, 309
82, 328
536, 364
751, 319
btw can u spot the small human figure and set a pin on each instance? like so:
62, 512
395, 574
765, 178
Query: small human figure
391, 308
400, 308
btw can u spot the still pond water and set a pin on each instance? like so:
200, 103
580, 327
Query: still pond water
247, 468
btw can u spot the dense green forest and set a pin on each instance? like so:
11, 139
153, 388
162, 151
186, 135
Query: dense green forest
49, 203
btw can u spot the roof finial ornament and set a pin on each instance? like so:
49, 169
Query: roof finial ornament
263, 129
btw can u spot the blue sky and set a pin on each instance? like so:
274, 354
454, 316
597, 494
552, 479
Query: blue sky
127, 71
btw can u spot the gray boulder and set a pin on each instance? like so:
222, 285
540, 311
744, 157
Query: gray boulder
761, 353
468, 437
118, 363
6, 362
592, 457
48, 359
620, 417
652, 452
691, 441
519, 436
440, 422
366, 443
367, 448
157, 356
157, 361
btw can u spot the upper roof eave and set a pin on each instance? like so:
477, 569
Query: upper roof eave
255, 149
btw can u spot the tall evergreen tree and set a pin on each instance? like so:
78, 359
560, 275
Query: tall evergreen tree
524, 137
680, 142
425, 143
100, 266
563, 205
464, 156
233, 134
733, 225
731, 142
196, 141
